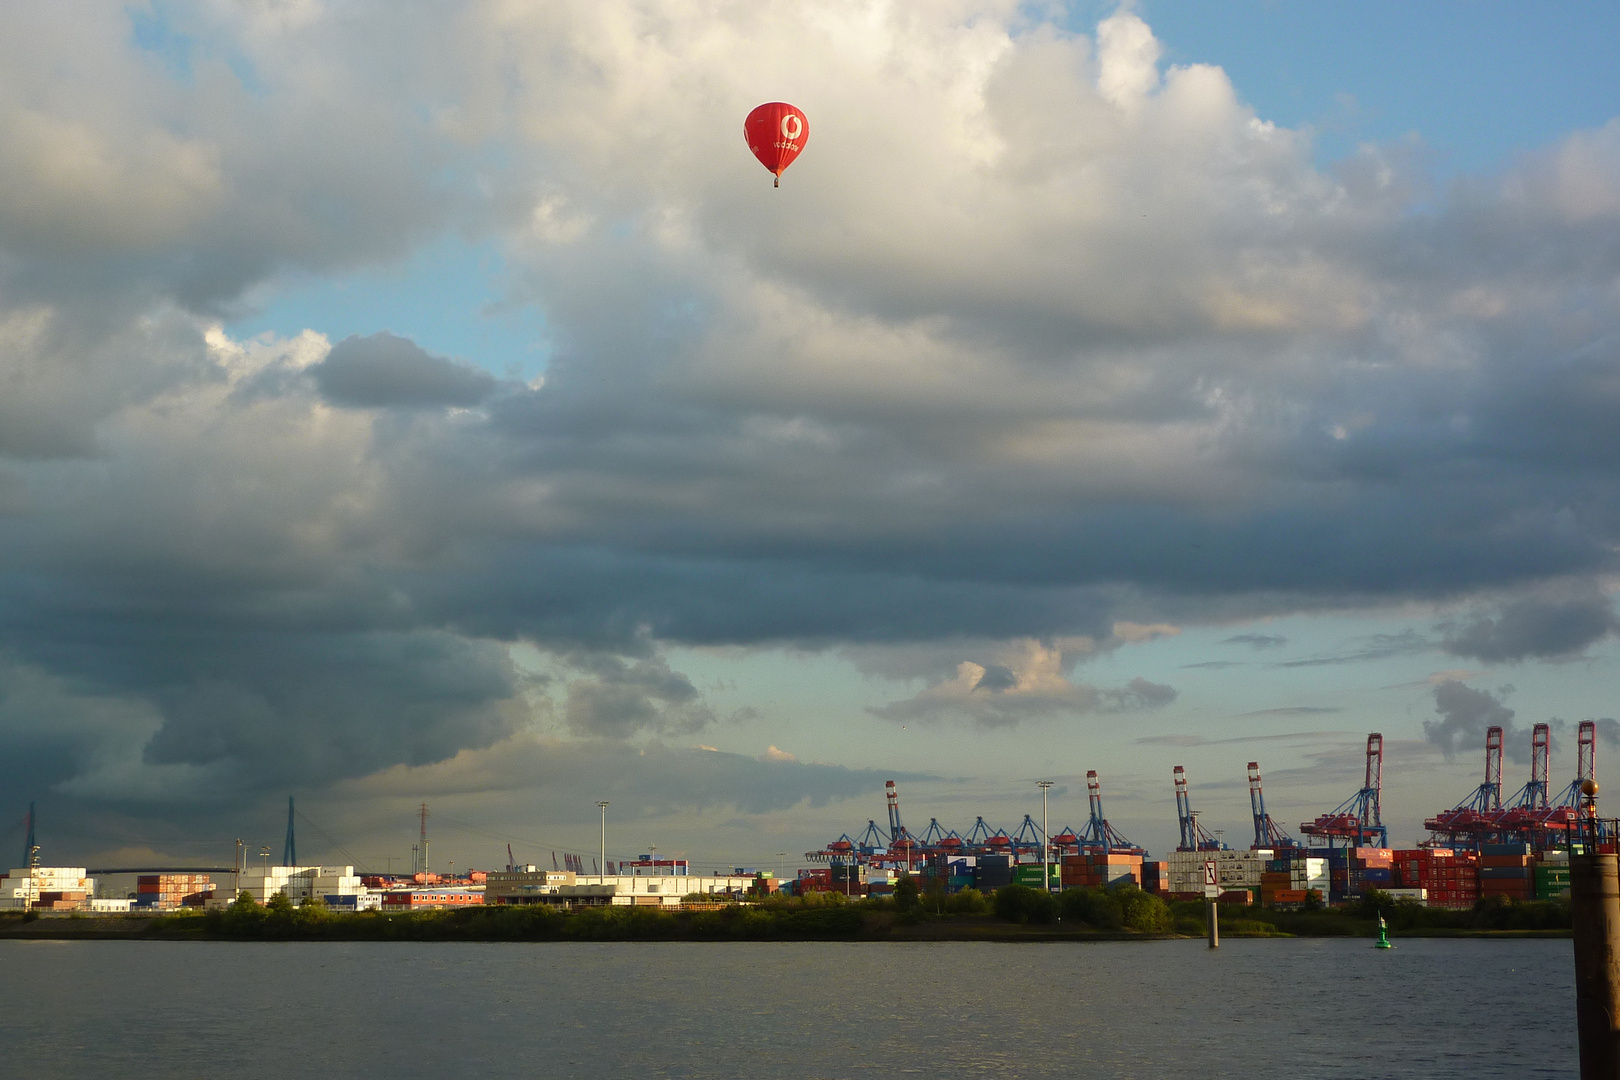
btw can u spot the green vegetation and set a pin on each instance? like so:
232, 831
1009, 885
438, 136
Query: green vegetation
1496, 914
1125, 909
1013, 912
826, 915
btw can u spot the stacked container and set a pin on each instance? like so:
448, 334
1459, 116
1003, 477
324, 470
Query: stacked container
992, 872
815, 879
1276, 886
1506, 870
1449, 878
165, 892
26, 885
1030, 874
1099, 870
1367, 869
952, 873
1552, 875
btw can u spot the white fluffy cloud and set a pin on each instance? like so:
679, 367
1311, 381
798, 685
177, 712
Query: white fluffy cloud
1041, 341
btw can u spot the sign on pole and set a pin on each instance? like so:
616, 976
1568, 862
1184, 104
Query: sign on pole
1212, 887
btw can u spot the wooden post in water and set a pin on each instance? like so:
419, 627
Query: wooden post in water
1594, 901
1215, 929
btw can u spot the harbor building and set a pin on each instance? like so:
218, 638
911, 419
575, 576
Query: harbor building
565, 888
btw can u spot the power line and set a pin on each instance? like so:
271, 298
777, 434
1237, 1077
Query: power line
331, 843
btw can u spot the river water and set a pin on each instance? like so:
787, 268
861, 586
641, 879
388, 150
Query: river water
1170, 1010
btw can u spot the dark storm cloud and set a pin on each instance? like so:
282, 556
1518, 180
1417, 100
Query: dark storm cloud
226, 712
383, 370
1465, 714
1534, 627
567, 777
996, 677
624, 699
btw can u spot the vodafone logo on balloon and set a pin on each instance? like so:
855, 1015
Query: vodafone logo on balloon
776, 133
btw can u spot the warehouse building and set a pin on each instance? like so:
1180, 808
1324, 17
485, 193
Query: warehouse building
567, 889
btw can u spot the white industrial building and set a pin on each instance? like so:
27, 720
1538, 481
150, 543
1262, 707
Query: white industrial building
567, 889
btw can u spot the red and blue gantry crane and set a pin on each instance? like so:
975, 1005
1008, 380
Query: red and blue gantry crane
1476, 818
1528, 816
1358, 821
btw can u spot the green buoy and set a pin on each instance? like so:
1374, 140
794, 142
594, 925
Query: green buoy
1383, 935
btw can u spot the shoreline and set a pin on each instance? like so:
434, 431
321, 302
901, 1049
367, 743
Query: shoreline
72, 927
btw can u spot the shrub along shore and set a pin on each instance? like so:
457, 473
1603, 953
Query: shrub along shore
1012, 913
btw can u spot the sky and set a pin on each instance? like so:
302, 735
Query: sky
443, 407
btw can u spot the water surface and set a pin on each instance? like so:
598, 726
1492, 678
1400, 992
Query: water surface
1159, 1010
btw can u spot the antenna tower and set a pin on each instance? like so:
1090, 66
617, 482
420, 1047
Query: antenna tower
422, 844
289, 851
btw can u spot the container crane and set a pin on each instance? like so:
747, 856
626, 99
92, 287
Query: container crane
902, 845
1533, 816
1533, 796
897, 828
1359, 818
939, 839
1478, 815
1267, 833
1585, 764
1098, 834
1567, 809
1066, 841
1193, 836
1027, 839
983, 841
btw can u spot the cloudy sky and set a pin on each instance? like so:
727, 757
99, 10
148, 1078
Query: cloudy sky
443, 406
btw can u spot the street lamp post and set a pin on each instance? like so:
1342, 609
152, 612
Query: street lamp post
602, 804
1046, 846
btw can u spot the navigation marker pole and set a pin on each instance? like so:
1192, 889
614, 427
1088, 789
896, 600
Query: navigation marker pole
1212, 891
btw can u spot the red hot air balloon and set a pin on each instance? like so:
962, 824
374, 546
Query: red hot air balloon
776, 132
